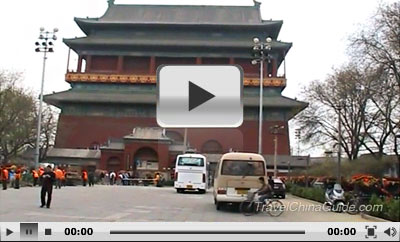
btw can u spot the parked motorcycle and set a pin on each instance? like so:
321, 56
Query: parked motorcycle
334, 198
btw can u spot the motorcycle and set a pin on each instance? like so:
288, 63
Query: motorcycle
334, 198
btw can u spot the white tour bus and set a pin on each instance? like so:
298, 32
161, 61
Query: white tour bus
191, 173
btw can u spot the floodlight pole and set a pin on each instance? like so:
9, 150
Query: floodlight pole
44, 47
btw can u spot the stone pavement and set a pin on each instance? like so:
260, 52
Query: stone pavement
140, 204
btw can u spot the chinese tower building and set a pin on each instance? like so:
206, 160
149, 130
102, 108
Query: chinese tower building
110, 109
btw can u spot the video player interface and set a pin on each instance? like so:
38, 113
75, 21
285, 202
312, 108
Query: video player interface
200, 120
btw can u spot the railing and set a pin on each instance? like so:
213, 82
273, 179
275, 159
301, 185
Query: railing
73, 77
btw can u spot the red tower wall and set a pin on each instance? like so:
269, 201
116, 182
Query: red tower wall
83, 131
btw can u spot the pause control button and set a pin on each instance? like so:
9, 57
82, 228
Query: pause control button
28, 231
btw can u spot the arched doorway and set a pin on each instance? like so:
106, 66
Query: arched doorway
212, 147
145, 160
113, 164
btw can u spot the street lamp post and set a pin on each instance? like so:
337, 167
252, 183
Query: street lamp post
275, 130
288, 173
44, 45
298, 136
260, 54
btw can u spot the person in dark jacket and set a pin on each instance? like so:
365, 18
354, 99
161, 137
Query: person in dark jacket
271, 181
48, 178
265, 191
91, 178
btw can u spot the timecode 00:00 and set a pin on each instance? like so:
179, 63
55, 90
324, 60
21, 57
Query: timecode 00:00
81, 231
345, 231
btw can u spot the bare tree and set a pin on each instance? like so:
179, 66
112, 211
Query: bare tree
384, 98
48, 131
378, 46
379, 43
341, 92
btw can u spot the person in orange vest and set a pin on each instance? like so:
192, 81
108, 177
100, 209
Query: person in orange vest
84, 177
17, 178
63, 178
35, 176
59, 175
4, 177
41, 172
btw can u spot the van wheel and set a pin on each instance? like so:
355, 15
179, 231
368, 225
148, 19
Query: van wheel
179, 190
202, 191
218, 205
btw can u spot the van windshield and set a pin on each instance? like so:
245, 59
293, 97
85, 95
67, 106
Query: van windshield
243, 168
190, 161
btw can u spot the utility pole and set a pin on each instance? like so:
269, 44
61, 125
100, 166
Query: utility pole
185, 141
275, 131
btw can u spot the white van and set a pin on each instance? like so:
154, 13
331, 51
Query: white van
191, 173
236, 175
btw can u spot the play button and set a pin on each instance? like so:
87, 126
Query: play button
8, 232
195, 96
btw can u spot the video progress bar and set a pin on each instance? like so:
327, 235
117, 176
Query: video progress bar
255, 232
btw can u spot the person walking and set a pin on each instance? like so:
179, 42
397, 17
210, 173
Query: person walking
59, 175
17, 180
63, 178
112, 177
11, 177
48, 179
41, 172
102, 178
91, 178
35, 176
157, 179
4, 177
84, 177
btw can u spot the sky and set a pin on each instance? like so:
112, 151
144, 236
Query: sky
318, 29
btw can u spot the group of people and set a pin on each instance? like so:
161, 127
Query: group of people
112, 178
12, 176
60, 177
126, 178
88, 178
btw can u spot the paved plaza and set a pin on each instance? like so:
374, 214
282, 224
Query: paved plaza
139, 204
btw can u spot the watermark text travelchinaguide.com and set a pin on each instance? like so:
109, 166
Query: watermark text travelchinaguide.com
300, 207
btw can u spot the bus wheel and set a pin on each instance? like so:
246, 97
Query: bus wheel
202, 191
179, 190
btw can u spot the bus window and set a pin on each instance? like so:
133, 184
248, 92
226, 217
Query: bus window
190, 161
243, 168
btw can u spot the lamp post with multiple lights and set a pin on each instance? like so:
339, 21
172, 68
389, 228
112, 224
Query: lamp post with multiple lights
261, 53
44, 45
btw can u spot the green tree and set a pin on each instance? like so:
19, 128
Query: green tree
17, 115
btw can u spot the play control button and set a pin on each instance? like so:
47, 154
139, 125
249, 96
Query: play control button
195, 96
8, 232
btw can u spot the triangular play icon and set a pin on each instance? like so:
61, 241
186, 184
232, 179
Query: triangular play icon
198, 96
8, 232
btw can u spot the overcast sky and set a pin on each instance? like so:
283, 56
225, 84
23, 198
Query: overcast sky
319, 30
